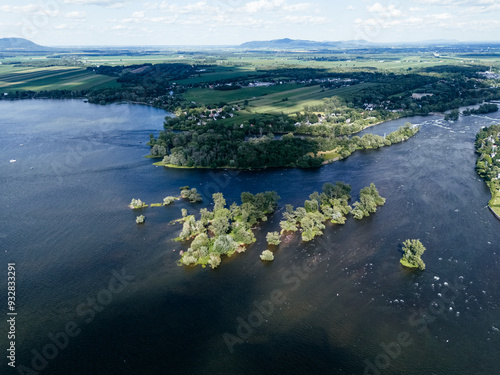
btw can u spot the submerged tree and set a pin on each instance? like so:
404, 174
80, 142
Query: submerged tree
273, 238
168, 200
191, 194
224, 231
267, 256
136, 204
412, 257
369, 199
331, 204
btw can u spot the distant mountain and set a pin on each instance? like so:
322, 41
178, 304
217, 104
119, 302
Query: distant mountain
287, 43
20, 44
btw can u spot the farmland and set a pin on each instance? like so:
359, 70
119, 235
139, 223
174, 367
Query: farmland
51, 78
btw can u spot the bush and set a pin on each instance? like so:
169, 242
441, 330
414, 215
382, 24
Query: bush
267, 256
412, 257
273, 238
168, 200
136, 204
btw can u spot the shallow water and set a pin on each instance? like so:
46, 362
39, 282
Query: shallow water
66, 225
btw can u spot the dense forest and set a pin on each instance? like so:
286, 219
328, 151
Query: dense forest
222, 147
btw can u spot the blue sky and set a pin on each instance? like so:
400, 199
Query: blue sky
217, 22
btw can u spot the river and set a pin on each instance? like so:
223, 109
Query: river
66, 225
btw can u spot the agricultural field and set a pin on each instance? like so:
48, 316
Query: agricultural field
51, 78
287, 98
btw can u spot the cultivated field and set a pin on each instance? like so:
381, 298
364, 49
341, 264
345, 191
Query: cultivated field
51, 78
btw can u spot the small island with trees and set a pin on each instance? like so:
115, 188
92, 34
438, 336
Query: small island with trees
226, 231
413, 250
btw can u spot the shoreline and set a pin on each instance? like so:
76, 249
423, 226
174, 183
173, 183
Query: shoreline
494, 212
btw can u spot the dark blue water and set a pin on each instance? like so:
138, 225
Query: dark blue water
66, 225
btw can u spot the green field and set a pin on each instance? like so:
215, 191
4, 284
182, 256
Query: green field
495, 204
287, 98
51, 78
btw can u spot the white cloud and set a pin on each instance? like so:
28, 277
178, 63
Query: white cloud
306, 19
93, 2
116, 6
138, 14
263, 5
391, 10
29, 8
350, 7
76, 15
441, 16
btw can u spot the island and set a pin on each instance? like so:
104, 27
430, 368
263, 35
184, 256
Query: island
488, 163
413, 250
226, 231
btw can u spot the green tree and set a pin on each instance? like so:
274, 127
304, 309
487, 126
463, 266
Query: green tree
267, 256
225, 244
413, 250
273, 238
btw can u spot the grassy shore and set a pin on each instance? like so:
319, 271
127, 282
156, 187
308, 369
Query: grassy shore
495, 200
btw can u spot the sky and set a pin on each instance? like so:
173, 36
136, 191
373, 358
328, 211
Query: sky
230, 22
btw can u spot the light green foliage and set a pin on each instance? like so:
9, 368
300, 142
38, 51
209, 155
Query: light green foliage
192, 195
225, 244
201, 240
214, 260
188, 228
412, 257
168, 200
368, 202
224, 231
267, 256
312, 225
241, 234
140, 219
136, 204
331, 204
273, 238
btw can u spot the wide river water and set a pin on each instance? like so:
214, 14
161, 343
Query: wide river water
65, 223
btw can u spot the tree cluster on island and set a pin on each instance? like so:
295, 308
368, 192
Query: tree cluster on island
224, 231
333, 205
482, 110
413, 250
191, 194
220, 147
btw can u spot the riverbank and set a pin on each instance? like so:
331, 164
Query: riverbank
494, 204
